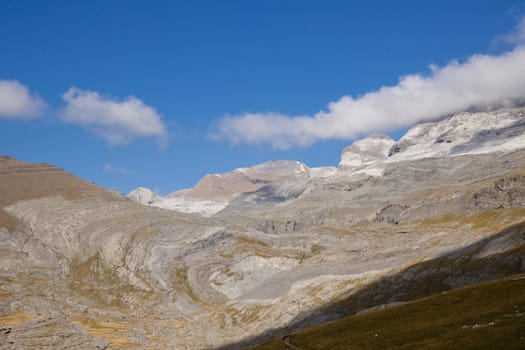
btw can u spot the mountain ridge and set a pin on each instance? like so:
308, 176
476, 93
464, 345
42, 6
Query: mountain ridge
86, 268
501, 130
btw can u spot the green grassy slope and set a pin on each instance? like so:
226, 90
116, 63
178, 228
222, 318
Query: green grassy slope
485, 316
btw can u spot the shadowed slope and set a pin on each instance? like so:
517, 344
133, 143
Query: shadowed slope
498, 256
482, 316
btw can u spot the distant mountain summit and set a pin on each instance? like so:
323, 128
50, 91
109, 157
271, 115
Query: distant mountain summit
214, 191
143, 195
366, 151
464, 133
225, 186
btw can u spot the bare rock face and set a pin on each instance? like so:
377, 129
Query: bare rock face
365, 152
464, 133
143, 195
83, 267
323, 172
214, 192
461, 134
224, 186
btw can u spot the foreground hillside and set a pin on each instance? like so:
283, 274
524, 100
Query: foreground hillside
486, 316
279, 247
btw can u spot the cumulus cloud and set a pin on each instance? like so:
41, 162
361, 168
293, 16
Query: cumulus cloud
16, 102
117, 121
479, 82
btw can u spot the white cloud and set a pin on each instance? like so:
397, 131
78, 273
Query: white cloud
16, 102
481, 81
518, 35
118, 122
109, 168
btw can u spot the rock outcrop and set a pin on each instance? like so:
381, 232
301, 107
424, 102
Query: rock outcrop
143, 195
225, 186
464, 133
213, 192
366, 152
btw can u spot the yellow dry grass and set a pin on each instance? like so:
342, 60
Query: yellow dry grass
3, 294
177, 324
15, 318
487, 220
114, 333
251, 240
181, 283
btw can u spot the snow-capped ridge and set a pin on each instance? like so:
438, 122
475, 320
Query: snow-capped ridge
464, 133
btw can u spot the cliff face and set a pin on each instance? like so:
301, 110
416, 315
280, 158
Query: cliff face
224, 186
82, 267
461, 134
367, 151
213, 192
465, 133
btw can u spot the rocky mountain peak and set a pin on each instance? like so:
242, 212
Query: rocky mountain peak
464, 133
214, 191
365, 152
224, 186
143, 195
275, 169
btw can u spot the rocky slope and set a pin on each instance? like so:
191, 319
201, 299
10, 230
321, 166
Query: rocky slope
87, 268
461, 134
367, 151
215, 191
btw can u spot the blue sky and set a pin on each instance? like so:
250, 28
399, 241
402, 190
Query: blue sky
217, 85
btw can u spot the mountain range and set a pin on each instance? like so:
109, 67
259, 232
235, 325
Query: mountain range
259, 253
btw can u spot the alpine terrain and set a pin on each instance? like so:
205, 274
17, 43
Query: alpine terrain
395, 232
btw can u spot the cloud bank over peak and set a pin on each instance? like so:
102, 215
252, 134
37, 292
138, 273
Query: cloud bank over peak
117, 121
16, 102
482, 81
